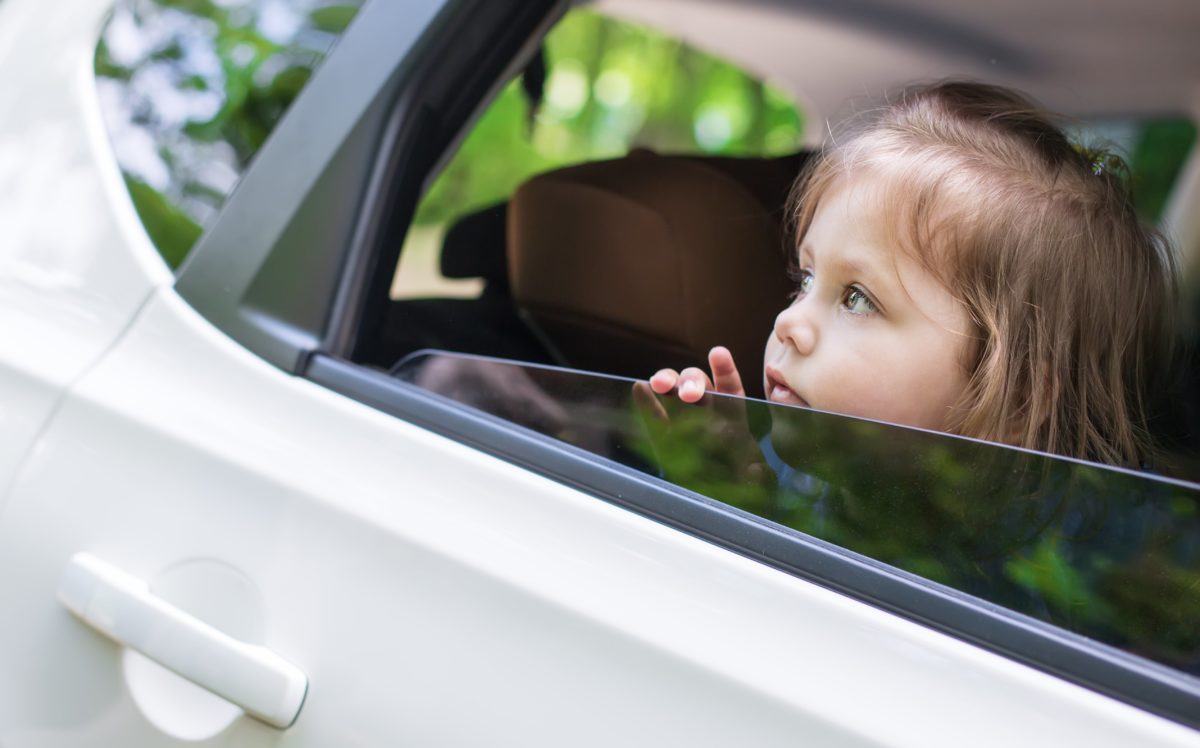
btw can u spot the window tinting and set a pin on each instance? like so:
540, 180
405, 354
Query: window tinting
191, 90
1104, 553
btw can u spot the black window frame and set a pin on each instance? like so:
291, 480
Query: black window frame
338, 193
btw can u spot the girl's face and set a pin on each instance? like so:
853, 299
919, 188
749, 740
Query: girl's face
870, 332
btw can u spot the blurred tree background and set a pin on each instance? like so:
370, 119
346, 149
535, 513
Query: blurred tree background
191, 89
612, 86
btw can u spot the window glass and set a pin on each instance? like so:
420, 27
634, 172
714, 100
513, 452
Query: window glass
190, 89
1108, 554
601, 88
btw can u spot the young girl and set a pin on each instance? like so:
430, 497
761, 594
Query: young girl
961, 266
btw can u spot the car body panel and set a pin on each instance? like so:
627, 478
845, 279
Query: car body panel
75, 263
433, 594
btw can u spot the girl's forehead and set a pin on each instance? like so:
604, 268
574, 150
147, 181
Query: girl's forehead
849, 233
884, 207
850, 191
869, 202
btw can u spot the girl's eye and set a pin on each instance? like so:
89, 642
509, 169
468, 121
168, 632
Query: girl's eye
804, 282
857, 302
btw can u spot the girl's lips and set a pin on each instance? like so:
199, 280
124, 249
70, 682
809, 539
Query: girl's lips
779, 392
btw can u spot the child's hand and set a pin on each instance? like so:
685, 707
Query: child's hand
720, 431
692, 383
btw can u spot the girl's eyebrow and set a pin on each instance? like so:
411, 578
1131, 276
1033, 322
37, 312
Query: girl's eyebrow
853, 266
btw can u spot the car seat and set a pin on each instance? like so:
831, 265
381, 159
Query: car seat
630, 265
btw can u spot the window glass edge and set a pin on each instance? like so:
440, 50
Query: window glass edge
1084, 662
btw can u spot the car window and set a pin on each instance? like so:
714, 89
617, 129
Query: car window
1058, 540
600, 88
189, 91
1107, 554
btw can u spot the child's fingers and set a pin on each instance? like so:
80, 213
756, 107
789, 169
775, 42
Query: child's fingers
728, 382
692, 384
664, 380
726, 378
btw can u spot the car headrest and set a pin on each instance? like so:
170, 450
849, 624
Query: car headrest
646, 261
474, 248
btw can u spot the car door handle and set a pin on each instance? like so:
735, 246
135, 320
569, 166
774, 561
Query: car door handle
121, 607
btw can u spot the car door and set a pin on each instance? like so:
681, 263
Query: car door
228, 536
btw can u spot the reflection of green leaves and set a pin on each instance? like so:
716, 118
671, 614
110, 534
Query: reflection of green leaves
194, 83
1184, 507
286, 86
711, 452
106, 68
201, 8
1047, 573
255, 80
172, 52
1107, 555
168, 227
1157, 603
333, 18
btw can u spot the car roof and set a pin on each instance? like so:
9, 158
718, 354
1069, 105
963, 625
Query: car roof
1086, 58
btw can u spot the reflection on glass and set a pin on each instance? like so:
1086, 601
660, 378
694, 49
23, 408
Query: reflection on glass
190, 91
1108, 554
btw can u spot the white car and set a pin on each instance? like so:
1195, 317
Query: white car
241, 504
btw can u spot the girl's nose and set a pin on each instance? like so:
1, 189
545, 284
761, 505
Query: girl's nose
795, 326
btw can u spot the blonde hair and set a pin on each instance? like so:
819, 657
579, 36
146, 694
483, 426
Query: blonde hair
1072, 299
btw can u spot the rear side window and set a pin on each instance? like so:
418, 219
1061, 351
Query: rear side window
600, 88
1110, 555
190, 89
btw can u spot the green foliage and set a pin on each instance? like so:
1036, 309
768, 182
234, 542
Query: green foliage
1161, 149
1045, 570
171, 230
231, 106
611, 87
492, 161
333, 18
106, 68
711, 451
1157, 599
